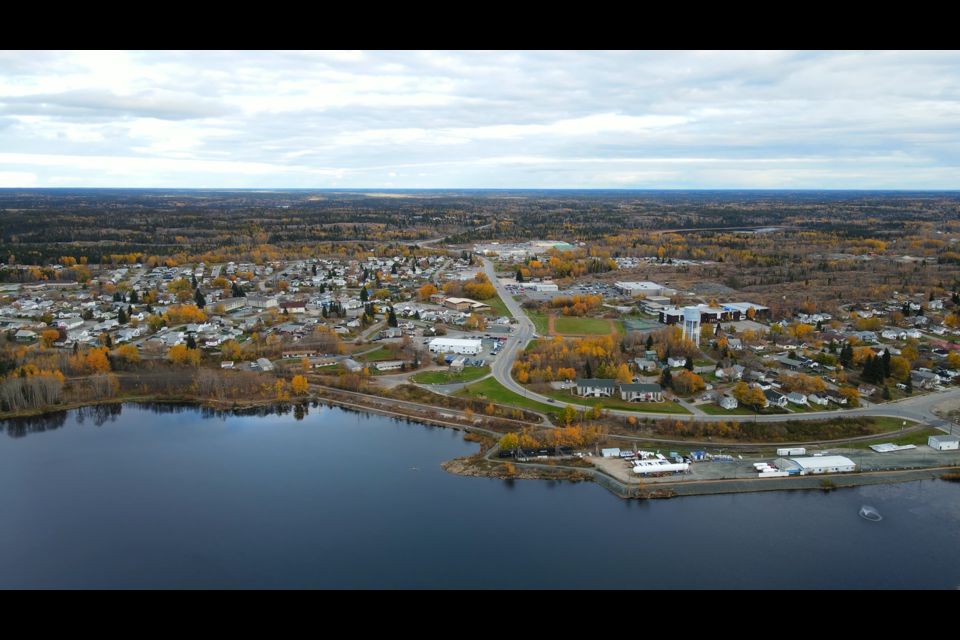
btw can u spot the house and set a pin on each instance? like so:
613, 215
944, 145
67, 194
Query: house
790, 363
640, 392
296, 306
593, 388
226, 364
389, 365
890, 334
651, 354
728, 402
676, 362
797, 399
25, 335
299, 353
352, 365
264, 364
735, 344
643, 364
921, 379
775, 399
835, 396
818, 398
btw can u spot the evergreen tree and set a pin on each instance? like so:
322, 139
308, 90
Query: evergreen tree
191, 343
199, 299
109, 342
886, 364
886, 393
391, 318
587, 370
717, 330
76, 348
416, 360
666, 379
955, 297
393, 269
666, 355
314, 269
520, 276
193, 281
920, 311
819, 325
688, 364
364, 296
121, 316
325, 312
909, 385
649, 342
134, 297
846, 355
931, 296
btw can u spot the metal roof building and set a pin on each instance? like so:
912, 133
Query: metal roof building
816, 465
944, 443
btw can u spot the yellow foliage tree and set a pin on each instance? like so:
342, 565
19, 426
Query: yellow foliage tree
300, 385
49, 336
129, 353
181, 355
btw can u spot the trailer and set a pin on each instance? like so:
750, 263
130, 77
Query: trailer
795, 451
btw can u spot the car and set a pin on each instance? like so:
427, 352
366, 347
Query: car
551, 400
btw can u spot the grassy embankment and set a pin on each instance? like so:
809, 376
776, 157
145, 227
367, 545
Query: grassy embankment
496, 392
916, 438
582, 326
442, 377
499, 306
564, 398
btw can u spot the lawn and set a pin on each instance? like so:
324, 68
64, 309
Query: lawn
378, 354
540, 321
582, 326
496, 392
499, 306
531, 345
621, 330
918, 438
442, 377
715, 410
565, 397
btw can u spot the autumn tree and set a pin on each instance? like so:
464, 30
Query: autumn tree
300, 385
129, 353
183, 356
49, 336
426, 291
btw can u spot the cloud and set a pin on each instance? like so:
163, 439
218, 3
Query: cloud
498, 119
15, 179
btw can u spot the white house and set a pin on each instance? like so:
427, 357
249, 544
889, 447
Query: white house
676, 362
728, 402
640, 392
944, 443
797, 398
593, 388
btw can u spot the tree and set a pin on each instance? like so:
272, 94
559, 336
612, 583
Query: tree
520, 276
364, 296
688, 364
509, 442
426, 291
230, 350
852, 396
49, 336
623, 374
899, 368
121, 316
909, 385
129, 354
568, 415
666, 379
191, 343
391, 317
687, 383
181, 355
749, 396
650, 341
300, 385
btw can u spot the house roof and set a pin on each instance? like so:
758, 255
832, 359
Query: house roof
594, 382
641, 388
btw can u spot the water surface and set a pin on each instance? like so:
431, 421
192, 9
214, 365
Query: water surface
326, 498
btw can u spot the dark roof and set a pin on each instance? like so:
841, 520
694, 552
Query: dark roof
772, 395
641, 388
593, 382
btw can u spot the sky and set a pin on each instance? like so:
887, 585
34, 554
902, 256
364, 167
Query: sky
540, 120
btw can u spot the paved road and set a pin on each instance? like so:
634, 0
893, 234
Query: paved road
916, 408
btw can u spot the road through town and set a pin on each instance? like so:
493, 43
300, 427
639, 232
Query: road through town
918, 408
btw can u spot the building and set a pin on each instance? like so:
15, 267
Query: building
261, 302
389, 365
728, 403
25, 335
299, 353
458, 364
634, 289
229, 304
643, 364
640, 392
352, 365
797, 398
465, 304
542, 287
775, 399
816, 465
592, 388
296, 306
455, 345
944, 443
264, 364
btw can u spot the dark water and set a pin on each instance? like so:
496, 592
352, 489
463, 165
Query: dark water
328, 499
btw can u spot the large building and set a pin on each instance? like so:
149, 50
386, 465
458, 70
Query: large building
593, 388
455, 345
641, 392
816, 465
944, 443
635, 289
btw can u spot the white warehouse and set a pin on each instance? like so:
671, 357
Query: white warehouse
816, 465
454, 345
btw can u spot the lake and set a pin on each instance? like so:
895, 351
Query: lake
175, 497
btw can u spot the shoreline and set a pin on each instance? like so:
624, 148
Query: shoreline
481, 465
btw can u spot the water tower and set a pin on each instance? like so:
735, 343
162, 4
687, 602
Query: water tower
691, 324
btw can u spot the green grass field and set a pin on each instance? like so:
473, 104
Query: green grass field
540, 321
582, 326
621, 330
564, 398
496, 392
378, 354
442, 377
531, 345
499, 306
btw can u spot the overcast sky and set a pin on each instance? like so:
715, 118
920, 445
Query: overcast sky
480, 120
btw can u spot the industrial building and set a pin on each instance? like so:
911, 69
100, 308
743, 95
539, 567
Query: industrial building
944, 443
816, 465
455, 345
635, 289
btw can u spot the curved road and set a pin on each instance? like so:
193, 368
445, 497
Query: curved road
917, 408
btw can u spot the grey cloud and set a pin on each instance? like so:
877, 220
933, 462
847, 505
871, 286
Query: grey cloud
101, 103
